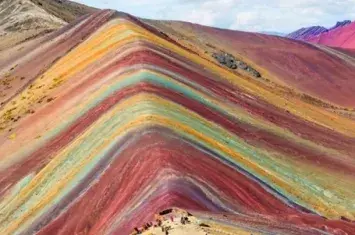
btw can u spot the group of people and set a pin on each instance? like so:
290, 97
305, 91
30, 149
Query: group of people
147, 226
159, 223
184, 220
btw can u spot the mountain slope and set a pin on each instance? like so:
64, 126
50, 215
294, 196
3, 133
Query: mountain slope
313, 31
340, 35
340, 24
293, 64
68, 11
304, 33
120, 118
21, 20
343, 37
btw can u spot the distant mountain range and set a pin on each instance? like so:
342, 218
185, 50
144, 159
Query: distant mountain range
342, 34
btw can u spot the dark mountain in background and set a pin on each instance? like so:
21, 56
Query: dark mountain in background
340, 35
304, 33
340, 24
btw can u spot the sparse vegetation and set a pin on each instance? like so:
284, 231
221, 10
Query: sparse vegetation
65, 10
19, 26
315, 101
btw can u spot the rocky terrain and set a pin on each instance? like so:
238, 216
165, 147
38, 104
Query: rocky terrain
21, 20
66, 10
180, 222
115, 124
340, 35
305, 33
231, 62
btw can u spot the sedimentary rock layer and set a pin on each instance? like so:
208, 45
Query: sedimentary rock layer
116, 121
295, 64
342, 37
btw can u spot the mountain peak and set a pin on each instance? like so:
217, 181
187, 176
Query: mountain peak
340, 35
115, 124
340, 24
307, 33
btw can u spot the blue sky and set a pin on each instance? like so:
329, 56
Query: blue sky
247, 15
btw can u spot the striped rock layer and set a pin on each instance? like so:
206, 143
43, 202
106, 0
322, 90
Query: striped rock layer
342, 37
109, 121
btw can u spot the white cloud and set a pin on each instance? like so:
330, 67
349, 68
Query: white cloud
205, 17
209, 12
286, 15
247, 21
249, 15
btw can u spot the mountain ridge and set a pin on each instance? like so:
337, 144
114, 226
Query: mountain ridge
114, 118
336, 36
343, 37
304, 33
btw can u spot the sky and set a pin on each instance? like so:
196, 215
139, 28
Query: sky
282, 16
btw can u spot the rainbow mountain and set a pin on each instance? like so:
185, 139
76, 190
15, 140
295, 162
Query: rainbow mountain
111, 119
